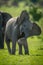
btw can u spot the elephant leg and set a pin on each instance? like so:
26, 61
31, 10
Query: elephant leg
26, 47
13, 48
14, 40
23, 42
8, 44
1, 40
20, 48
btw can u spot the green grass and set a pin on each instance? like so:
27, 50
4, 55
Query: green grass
35, 44
35, 56
21, 60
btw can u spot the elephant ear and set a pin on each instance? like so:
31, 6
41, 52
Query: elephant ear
36, 29
24, 16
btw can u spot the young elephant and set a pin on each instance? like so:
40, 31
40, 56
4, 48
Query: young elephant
17, 28
23, 42
12, 31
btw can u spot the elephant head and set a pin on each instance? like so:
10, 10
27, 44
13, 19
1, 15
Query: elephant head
32, 30
28, 28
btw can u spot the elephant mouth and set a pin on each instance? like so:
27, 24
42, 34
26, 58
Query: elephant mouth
22, 35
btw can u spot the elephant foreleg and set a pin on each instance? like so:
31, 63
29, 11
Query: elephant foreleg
26, 47
23, 42
14, 40
13, 48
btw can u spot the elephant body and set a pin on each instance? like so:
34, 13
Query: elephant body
4, 17
16, 29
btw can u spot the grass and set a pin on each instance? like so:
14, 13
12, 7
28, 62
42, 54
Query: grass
35, 57
35, 44
21, 60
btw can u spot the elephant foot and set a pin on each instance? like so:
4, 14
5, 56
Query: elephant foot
12, 53
26, 53
20, 53
9, 51
2, 48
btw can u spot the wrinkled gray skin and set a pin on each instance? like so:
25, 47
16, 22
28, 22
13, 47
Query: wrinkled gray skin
17, 28
4, 17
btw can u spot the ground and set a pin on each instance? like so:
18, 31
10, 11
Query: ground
34, 58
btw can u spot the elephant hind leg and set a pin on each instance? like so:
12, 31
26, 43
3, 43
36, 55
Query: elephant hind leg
8, 45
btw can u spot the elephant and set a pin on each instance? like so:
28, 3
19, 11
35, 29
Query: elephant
4, 17
17, 28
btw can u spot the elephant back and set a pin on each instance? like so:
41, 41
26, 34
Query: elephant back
6, 17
